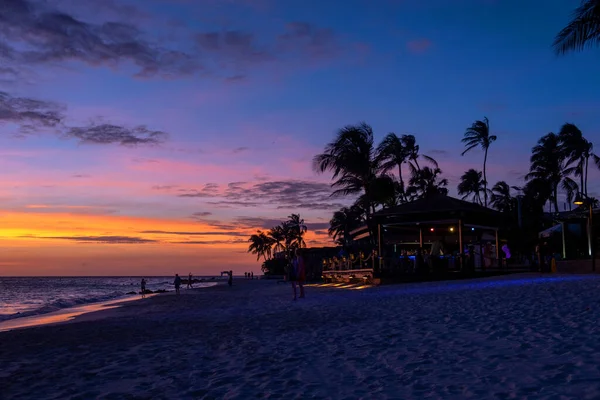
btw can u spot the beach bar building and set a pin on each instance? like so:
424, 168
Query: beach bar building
462, 232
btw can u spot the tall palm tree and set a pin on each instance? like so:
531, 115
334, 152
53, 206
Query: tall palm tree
350, 157
392, 153
548, 164
425, 182
478, 135
501, 198
583, 30
471, 185
577, 150
343, 222
261, 245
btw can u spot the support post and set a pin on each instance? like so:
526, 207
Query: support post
564, 241
591, 237
461, 251
421, 237
379, 244
498, 260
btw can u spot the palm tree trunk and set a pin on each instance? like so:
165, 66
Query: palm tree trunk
485, 195
555, 198
417, 163
401, 180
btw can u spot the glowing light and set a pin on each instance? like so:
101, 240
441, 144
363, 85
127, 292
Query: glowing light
451, 229
472, 229
431, 229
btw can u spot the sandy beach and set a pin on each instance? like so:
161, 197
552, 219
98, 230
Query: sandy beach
525, 336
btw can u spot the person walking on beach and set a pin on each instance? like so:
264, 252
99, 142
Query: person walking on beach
298, 273
177, 283
143, 285
189, 284
230, 279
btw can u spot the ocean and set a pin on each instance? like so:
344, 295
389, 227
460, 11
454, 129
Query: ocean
27, 296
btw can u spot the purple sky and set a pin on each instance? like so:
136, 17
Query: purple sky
241, 94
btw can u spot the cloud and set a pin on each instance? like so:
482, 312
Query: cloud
81, 176
240, 150
419, 45
202, 214
97, 239
108, 134
209, 190
437, 152
28, 113
292, 194
43, 34
209, 242
164, 187
145, 161
245, 223
31, 115
200, 233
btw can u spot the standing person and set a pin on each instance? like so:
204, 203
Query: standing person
298, 273
143, 285
252, 275
177, 283
189, 285
230, 279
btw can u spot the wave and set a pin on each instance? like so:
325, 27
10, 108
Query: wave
61, 303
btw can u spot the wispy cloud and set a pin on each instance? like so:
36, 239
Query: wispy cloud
96, 239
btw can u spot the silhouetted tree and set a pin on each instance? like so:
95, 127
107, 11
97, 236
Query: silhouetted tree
501, 198
426, 182
345, 221
548, 165
583, 30
478, 135
577, 150
471, 185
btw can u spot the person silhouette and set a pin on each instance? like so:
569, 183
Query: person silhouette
189, 284
177, 283
143, 287
230, 279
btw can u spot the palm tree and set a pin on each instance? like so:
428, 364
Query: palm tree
295, 230
425, 182
391, 152
351, 159
261, 245
501, 197
471, 185
412, 152
577, 150
548, 164
343, 222
479, 135
583, 30
278, 235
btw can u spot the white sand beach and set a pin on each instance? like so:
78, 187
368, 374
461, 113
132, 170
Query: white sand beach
526, 337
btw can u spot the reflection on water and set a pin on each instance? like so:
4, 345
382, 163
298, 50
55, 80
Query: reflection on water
62, 315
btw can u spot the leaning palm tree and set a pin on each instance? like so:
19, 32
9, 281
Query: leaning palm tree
577, 150
350, 157
261, 245
412, 152
471, 185
548, 164
277, 235
478, 135
583, 30
501, 198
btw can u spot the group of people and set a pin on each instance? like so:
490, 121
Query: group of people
249, 275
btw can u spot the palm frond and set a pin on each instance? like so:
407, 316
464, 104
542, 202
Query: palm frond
583, 30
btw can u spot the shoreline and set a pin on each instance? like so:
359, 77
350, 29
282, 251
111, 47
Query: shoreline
86, 312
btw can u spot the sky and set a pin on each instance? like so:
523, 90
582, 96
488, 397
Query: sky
152, 137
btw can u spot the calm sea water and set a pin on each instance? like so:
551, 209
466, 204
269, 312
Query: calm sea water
21, 297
